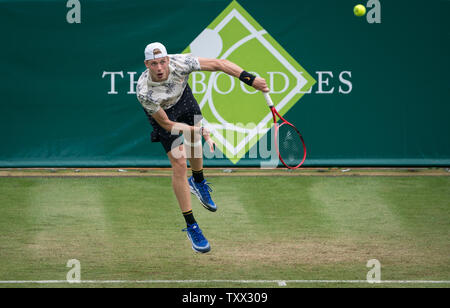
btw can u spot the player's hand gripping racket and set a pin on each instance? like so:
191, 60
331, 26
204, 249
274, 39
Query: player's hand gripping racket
289, 142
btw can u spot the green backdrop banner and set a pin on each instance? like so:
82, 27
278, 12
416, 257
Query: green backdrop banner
371, 90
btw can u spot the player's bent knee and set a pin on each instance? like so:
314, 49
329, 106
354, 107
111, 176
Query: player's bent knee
179, 166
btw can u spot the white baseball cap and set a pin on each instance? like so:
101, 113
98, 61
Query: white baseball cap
150, 49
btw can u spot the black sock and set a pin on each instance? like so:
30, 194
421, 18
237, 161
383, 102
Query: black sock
198, 175
189, 217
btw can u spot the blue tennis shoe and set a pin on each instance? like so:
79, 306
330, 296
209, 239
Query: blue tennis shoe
198, 240
202, 191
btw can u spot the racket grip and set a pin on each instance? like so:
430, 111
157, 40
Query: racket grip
268, 99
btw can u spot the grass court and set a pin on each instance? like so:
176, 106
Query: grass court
307, 225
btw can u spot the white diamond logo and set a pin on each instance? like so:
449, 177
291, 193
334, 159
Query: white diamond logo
236, 113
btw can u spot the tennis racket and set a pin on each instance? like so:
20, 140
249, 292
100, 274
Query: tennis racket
289, 142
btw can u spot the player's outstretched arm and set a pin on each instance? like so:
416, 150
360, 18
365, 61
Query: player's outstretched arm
231, 69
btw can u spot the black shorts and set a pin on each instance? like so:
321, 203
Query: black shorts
186, 110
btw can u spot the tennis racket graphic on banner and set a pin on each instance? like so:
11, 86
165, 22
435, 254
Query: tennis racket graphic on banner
289, 142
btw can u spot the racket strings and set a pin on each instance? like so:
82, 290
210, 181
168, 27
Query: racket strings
290, 145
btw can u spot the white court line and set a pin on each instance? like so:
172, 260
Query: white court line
279, 282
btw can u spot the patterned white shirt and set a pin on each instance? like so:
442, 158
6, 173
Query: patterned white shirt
155, 95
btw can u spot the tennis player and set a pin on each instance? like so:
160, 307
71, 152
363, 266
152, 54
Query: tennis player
167, 99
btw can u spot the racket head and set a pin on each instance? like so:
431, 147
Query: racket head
290, 145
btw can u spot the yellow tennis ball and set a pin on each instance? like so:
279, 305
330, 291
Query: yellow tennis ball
359, 10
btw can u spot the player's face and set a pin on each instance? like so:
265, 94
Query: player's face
159, 68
